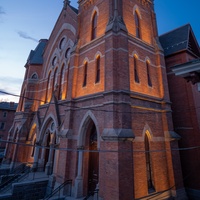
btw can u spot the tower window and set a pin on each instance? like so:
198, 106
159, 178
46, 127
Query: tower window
97, 80
85, 74
94, 26
135, 62
148, 75
137, 25
148, 166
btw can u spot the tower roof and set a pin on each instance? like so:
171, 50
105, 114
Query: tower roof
35, 56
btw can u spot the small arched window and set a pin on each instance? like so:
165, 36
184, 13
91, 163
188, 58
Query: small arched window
97, 79
62, 43
137, 25
54, 61
85, 74
135, 62
34, 76
148, 74
150, 181
94, 26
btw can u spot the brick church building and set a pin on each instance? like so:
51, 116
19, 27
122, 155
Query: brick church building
95, 105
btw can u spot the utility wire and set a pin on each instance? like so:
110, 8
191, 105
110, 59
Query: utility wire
99, 151
86, 108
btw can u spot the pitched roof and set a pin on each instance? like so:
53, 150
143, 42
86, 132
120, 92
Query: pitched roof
8, 105
35, 56
178, 40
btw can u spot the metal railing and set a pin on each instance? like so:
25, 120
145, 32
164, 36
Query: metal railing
15, 175
92, 193
57, 190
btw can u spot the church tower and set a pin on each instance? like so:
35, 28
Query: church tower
104, 116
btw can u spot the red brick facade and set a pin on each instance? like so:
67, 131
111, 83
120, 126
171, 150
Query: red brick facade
116, 134
185, 99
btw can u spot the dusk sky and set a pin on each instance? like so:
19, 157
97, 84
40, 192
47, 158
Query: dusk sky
24, 22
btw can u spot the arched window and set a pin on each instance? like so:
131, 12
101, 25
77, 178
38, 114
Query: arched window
135, 62
34, 76
61, 85
148, 165
148, 74
137, 25
62, 43
47, 96
85, 74
94, 26
55, 81
97, 79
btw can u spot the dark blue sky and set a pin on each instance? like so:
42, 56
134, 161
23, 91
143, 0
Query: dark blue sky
23, 23
174, 13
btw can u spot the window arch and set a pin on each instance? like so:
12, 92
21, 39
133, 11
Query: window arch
97, 79
85, 74
148, 73
137, 25
150, 181
135, 63
94, 26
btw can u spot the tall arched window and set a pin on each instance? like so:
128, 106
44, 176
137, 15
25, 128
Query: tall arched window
135, 62
97, 79
148, 74
85, 74
148, 165
47, 96
137, 25
55, 81
61, 85
94, 26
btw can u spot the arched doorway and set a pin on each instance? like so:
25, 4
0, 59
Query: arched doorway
93, 163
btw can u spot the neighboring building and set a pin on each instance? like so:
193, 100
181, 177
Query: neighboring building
182, 57
95, 105
7, 114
